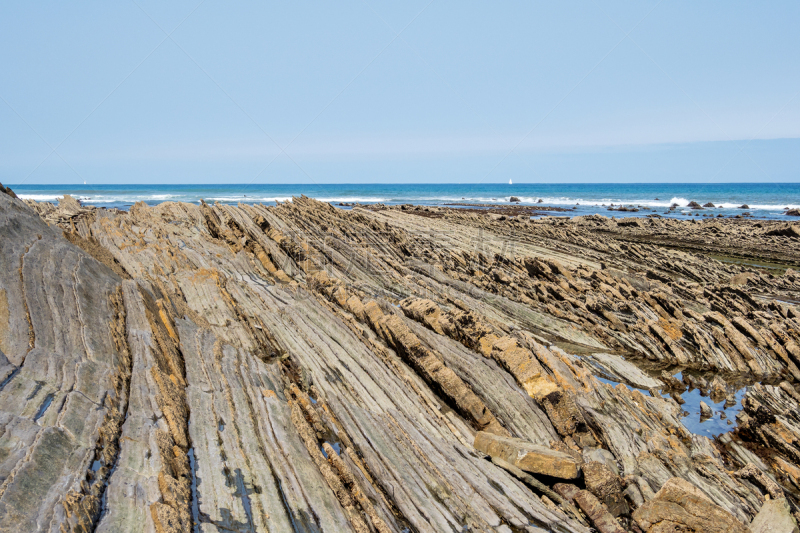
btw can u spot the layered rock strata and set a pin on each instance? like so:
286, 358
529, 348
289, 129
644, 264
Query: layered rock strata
299, 367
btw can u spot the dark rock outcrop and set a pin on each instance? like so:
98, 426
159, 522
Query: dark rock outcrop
7, 190
788, 230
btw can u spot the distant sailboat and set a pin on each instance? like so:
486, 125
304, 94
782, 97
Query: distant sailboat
509, 182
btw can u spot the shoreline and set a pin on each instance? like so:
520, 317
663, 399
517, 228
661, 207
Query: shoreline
340, 350
767, 201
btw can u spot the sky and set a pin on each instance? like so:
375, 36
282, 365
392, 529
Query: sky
416, 91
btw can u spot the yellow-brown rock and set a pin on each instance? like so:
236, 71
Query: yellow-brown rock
527, 456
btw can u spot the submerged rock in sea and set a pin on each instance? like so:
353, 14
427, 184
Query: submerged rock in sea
705, 411
299, 367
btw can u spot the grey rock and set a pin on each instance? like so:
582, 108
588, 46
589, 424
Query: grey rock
774, 517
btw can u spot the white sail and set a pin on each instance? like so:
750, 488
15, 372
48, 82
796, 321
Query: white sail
509, 182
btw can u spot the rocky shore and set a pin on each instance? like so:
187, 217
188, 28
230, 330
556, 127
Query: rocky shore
298, 367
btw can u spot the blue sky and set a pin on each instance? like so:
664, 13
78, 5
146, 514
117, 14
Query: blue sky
430, 91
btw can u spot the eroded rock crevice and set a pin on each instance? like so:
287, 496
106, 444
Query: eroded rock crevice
85, 506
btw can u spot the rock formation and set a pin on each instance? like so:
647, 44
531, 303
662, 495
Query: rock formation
298, 367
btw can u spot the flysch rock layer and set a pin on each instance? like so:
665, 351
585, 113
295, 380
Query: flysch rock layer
297, 367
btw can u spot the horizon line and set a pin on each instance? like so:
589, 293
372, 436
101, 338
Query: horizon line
428, 183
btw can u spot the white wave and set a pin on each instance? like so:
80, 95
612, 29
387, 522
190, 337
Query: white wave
354, 199
242, 198
104, 200
563, 200
682, 202
128, 199
260, 196
549, 200
40, 197
760, 207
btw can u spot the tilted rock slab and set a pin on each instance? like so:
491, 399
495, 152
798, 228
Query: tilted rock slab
527, 456
679, 504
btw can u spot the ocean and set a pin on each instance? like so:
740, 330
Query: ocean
764, 200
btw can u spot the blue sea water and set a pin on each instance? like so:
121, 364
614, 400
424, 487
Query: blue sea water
764, 200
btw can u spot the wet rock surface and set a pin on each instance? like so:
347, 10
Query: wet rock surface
303, 368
